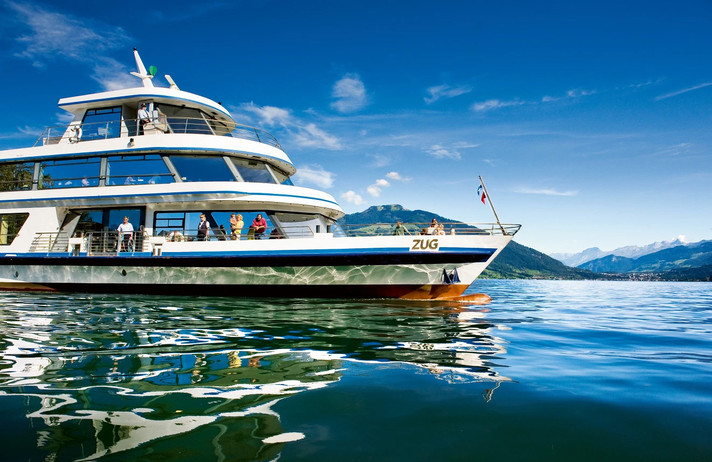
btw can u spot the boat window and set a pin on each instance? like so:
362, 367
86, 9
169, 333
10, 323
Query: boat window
169, 223
184, 225
179, 226
101, 224
282, 177
253, 171
99, 220
101, 123
148, 169
16, 176
202, 168
70, 173
300, 224
10, 224
185, 120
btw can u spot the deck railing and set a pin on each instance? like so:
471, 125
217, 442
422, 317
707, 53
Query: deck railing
456, 228
283, 232
50, 242
77, 133
110, 242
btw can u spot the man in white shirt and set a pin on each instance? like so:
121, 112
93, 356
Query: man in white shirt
126, 231
143, 118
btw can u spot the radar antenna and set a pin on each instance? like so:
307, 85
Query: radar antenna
142, 74
170, 80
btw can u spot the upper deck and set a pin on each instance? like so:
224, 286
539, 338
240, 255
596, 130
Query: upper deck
151, 120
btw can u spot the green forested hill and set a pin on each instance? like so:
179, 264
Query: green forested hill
517, 261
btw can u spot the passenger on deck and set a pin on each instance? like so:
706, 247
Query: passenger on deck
143, 118
433, 226
203, 228
440, 230
240, 224
236, 225
259, 224
222, 234
399, 230
126, 232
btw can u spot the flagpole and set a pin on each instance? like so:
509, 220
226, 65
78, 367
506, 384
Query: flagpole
489, 198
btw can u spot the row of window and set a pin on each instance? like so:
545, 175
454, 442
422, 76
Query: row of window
107, 122
145, 169
177, 223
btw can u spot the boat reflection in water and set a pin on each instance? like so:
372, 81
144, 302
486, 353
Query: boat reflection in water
200, 379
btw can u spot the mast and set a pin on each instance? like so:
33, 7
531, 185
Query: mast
482, 182
142, 74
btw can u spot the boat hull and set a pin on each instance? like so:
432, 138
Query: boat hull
367, 268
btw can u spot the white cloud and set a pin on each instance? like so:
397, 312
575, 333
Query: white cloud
440, 152
685, 90
395, 176
379, 160
545, 192
352, 198
465, 145
570, 94
349, 93
312, 136
112, 75
445, 91
51, 35
269, 115
304, 134
494, 104
315, 175
374, 190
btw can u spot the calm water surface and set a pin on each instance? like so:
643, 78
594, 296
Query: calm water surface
550, 370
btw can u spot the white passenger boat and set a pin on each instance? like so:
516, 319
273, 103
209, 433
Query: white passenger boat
62, 200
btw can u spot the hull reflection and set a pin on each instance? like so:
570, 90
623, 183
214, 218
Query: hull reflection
205, 379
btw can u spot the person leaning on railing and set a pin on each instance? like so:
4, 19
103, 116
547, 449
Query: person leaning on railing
126, 231
400, 230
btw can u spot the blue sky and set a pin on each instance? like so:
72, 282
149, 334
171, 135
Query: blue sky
590, 122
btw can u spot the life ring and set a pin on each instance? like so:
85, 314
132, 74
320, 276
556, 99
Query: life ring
76, 134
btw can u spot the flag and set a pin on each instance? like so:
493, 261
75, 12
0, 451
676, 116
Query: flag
481, 193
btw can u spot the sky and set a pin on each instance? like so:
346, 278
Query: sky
590, 122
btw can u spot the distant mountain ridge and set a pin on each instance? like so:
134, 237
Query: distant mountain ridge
693, 255
630, 251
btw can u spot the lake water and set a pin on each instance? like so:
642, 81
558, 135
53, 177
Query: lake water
549, 370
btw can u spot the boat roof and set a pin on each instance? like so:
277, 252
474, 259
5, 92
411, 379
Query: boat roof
159, 95
77, 105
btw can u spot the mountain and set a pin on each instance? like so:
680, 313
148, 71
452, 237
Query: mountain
576, 259
676, 258
515, 261
630, 251
391, 214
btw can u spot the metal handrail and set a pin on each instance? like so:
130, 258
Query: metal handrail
283, 232
130, 127
457, 228
50, 242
